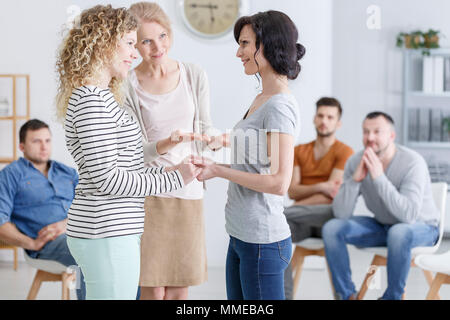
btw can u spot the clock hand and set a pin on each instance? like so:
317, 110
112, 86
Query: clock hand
211, 10
207, 6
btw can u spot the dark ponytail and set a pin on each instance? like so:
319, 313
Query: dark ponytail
300, 51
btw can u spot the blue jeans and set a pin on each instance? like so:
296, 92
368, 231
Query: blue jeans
363, 232
256, 271
57, 250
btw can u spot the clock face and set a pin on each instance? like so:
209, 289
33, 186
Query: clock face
211, 17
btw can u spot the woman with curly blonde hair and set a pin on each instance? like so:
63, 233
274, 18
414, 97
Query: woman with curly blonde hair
106, 218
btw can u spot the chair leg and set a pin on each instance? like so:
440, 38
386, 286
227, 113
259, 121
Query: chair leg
364, 285
35, 286
15, 258
65, 279
297, 273
377, 261
429, 276
436, 285
295, 256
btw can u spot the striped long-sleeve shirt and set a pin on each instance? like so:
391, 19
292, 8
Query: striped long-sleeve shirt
106, 144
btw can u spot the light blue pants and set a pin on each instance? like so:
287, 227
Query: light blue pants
110, 266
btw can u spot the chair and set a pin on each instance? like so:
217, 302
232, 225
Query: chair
48, 270
4, 245
439, 263
439, 191
304, 248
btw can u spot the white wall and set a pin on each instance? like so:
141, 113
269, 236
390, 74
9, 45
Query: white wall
361, 67
31, 48
367, 66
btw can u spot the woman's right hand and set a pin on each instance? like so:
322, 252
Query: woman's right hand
217, 142
187, 170
177, 136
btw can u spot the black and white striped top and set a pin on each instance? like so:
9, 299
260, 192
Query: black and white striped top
106, 144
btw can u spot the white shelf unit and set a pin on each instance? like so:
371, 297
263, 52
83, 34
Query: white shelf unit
414, 97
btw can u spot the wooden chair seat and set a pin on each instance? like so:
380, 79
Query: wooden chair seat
439, 263
5, 246
48, 270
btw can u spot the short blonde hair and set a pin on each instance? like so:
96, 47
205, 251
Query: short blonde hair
151, 12
87, 48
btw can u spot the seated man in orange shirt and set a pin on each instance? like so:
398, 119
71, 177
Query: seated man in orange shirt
316, 178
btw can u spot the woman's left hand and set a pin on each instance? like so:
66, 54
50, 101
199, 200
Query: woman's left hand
208, 167
217, 142
53, 230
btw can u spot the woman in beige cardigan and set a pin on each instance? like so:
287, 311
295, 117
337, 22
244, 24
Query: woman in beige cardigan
171, 101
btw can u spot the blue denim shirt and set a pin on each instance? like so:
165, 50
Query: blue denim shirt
30, 200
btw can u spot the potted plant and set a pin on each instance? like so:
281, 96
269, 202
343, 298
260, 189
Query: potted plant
418, 39
411, 40
431, 39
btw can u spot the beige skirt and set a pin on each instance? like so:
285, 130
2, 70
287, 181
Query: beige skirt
173, 248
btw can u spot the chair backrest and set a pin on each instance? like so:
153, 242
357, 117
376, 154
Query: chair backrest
439, 190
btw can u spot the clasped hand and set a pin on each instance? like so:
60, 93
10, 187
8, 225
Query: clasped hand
213, 142
330, 188
49, 233
369, 163
195, 167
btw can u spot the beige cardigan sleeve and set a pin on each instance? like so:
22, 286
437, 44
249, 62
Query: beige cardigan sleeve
203, 97
200, 91
131, 104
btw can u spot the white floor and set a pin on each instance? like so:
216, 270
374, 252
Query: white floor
314, 282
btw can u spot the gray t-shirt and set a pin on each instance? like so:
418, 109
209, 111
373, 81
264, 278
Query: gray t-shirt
401, 194
253, 216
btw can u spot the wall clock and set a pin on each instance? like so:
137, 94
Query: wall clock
211, 18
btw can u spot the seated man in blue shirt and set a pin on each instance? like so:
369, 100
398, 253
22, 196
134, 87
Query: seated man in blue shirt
35, 195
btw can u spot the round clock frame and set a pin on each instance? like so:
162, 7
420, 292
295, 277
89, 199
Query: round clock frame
211, 5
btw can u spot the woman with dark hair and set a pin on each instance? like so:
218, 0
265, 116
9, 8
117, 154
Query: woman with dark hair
260, 240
